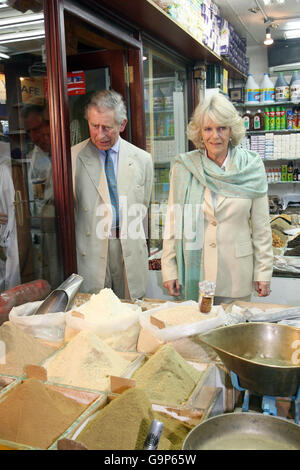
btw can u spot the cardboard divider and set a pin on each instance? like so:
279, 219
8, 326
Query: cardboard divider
68, 444
147, 343
120, 384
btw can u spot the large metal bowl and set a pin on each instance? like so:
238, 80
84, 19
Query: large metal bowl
244, 431
265, 356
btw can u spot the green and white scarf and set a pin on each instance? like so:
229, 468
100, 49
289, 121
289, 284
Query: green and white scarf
193, 172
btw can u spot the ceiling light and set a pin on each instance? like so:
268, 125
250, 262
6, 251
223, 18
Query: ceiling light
4, 56
268, 40
22, 20
292, 33
11, 37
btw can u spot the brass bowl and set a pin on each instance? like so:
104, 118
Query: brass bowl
265, 356
244, 431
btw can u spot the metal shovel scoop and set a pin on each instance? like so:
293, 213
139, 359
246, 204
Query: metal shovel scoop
61, 299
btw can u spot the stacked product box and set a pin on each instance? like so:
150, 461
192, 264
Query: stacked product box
278, 146
232, 46
269, 146
245, 143
188, 14
211, 37
257, 143
294, 146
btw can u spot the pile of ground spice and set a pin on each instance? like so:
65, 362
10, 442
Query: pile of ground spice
36, 415
124, 423
20, 349
85, 362
182, 314
166, 377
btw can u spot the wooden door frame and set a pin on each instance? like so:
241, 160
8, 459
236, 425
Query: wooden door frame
54, 11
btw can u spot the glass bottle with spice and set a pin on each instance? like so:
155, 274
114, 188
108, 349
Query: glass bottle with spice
206, 295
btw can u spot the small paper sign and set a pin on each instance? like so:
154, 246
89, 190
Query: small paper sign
76, 83
120, 384
77, 314
156, 322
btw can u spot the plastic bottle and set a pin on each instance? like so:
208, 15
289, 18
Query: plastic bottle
283, 117
267, 119
282, 89
258, 121
272, 119
289, 118
295, 86
252, 90
267, 90
295, 118
247, 119
277, 118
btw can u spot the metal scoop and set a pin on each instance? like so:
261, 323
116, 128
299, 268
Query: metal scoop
61, 299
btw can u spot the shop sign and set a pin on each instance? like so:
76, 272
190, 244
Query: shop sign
76, 83
32, 90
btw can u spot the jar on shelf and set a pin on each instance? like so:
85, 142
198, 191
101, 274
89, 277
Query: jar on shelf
206, 296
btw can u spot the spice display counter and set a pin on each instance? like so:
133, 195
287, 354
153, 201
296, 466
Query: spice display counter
212, 394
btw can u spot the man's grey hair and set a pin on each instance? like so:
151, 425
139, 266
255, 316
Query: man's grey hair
108, 99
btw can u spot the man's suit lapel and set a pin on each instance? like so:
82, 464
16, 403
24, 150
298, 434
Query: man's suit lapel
93, 165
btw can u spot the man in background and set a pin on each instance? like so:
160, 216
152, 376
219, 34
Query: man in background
41, 194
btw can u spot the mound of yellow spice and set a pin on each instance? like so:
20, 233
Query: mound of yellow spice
124, 423
167, 377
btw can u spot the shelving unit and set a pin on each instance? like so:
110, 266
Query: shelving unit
266, 105
275, 131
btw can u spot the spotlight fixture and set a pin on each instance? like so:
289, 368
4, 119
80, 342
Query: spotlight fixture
268, 40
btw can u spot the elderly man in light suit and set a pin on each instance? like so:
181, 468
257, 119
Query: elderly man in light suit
112, 182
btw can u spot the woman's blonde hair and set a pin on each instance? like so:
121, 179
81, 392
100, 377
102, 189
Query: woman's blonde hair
222, 112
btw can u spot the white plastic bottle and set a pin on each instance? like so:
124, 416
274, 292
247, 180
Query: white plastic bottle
295, 87
267, 90
252, 91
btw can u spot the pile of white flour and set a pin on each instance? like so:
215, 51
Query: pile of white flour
104, 306
85, 362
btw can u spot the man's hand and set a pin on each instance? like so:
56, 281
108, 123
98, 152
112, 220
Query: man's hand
173, 287
262, 288
3, 219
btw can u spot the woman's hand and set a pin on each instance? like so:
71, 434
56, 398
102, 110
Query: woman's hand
262, 288
173, 287
3, 219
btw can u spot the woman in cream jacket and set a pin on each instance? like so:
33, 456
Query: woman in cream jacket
217, 225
